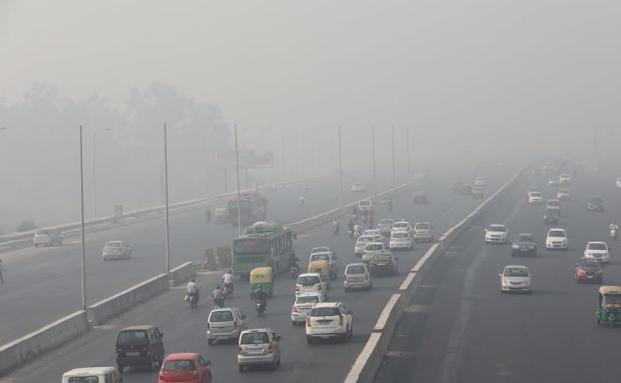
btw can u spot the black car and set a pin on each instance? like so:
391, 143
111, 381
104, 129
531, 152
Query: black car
139, 346
551, 216
420, 198
595, 204
524, 244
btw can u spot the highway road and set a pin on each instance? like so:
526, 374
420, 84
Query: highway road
460, 328
184, 328
43, 284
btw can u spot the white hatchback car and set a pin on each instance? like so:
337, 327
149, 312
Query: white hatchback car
361, 243
598, 251
515, 278
329, 320
258, 347
357, 276
401, 226
302, 306
401, 240
535, 197
423, 231
496, 234
557, 238
371, 249
310, 283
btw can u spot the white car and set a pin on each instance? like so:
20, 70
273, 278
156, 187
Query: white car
480, 182
92, 375
400, 240
371, 249
329, 320
303, 305
562, 194
557, 239
362, 241
258, 347
116, 250
496, 234
535, 198
357, 276
225, 324
46, 238
372, 232
358, 187
553, 204
598, 251
310, 283
365, 205
618, 182
515, 278
401, 226
564, 179
423, 231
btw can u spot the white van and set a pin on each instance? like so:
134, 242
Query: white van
92, 375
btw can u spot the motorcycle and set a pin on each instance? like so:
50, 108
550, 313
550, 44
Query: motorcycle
260, 307
294, 270
228, 289
335, 229
193, 300
218, 302
613, 234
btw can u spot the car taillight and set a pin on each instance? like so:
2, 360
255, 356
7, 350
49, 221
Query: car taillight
162, 377
319, 287
270, 347
308, 322
340, 319
240, 350
297, 288
294, 309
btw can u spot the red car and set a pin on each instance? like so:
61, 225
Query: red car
185, 367
589, 270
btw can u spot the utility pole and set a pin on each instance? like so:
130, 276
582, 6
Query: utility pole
82, 219
340, 171
407, 148
373, 155
167, 243
394, 176
238, 186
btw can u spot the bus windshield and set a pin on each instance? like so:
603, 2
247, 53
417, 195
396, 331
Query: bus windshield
250, 246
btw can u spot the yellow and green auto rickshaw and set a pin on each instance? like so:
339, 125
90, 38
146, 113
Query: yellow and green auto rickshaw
322, 267
609, 305
261, 276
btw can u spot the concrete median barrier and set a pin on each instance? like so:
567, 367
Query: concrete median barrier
181, 273
112, 306
46, 338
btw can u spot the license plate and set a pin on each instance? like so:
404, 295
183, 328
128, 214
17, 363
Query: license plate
132, 354
590, 276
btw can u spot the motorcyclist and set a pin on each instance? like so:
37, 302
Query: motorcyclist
261, 296
192, 289
335, 226
614, 229
301, 200
218, 297
389, 204
293, 262
227, 280
208, 215
357, 230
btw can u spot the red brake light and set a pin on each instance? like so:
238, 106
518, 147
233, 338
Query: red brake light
294, 309
162, 377
195, 373
270, 347
240, 350
297, 288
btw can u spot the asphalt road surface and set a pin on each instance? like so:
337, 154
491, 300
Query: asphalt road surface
185, 328
461, 328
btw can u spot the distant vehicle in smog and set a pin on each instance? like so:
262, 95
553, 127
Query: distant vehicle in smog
465, 190
401, 226
357, 276
385, 225
554, 182
589, 270
562, 194
515, 278
258, 347
420, 198
564, 179
524, 244
618, 183
363, 240
47, 238
358, 188
457, 186
401, 240
480, 182
423, 232
92, 375
557, 239
553, 204
551, 216
597, 251
221, 215
186, 367
535, 198
139, 346
477, 192
595, 204
116, 250
496, 233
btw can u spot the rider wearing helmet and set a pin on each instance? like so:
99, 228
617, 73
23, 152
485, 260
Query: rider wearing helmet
260, 295
218, 297
192, 288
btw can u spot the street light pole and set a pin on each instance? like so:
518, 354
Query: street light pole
167, 243
82, 220
238, 186
394, 176
373, 155
95, 169
407, 148
340, 171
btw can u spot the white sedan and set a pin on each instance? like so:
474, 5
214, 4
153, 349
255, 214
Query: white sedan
303, 305
401, 240
515, 278
496, 234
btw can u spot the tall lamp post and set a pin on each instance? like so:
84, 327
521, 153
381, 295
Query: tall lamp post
238, 185
340, 171
167, 243
95, 168
82, 219
373, 156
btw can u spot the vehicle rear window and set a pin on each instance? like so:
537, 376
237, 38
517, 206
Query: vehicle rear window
516, 272
524, 238
255, 338
132, 338
356, 269
364, 239
309, 280
374, 247
307, 299
556, 233
320, 257
422, 226
535, 194
325, 312
113, 244
221, 316
597, 246
84, 379
400, 235
383, 257
178, 365
589, 263
319, 250
400, 224
497, 228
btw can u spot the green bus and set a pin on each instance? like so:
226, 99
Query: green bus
262, 244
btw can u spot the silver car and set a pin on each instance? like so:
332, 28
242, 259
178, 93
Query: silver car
423, 231
116, 250
371, 249
225, 324
357, 276
258, 347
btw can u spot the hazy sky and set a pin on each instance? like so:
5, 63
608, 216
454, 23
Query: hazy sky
453, 65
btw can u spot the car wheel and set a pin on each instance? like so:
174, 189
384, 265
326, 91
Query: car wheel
351, 331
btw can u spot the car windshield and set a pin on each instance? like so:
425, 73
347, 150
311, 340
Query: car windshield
178, 365
113, 244
307, 299
325, 312
524, 238
611, 299
254, 338
132, 338
83, 379
422, 226
374, 247
320, 257
364, 239
400, 224
586, 262
597, 246
535, 194
556, 233
221, 316
308, 280
400, 235
516, 272
497, 228
355, 269
319, 250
